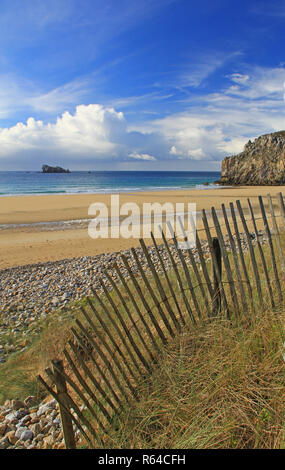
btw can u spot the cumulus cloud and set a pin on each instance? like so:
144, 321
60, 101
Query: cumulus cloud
91, 130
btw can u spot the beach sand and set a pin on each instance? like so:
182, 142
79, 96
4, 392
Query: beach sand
20, 245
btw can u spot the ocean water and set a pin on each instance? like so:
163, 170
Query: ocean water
35, 183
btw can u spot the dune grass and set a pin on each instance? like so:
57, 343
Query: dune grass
220, 386
18, 376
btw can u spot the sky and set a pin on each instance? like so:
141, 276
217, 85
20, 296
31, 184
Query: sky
148, 85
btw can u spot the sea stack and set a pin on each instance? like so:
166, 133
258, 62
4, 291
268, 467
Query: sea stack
54, 169
261, 163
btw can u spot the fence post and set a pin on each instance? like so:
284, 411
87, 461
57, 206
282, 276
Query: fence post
217, 298
67, 426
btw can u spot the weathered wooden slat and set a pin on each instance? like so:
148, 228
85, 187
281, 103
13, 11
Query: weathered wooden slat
86, 387
186, 270
226, 260
152, 294
276, 232
74, 406
241, 255
215, 262
168, 280
195, 269
108, 364
261, 255
281, 207
159, 285
180, 283
66, 408
116, 327
268, 233
138, 310
63, 375
61, 389
126, 330
252, 254
143, 299
128, 312
201, 256
99, 369
91, 377
217, 299
236, 260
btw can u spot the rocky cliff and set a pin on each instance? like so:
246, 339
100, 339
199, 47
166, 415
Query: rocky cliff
262, 162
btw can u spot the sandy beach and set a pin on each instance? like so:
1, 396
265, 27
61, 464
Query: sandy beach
30, 243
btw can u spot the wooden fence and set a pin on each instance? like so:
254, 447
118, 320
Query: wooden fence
236, 267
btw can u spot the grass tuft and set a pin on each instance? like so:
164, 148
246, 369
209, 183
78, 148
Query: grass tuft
220, 386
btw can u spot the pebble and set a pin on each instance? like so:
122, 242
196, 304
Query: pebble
12, 438
20, 431
44, 434
51, 405
4, 443
17, 404
3, 427
27, 435
11, 417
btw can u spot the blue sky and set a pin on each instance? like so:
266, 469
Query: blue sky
151, 85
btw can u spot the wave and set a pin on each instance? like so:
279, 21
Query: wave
113, 190
97, 190
210, 186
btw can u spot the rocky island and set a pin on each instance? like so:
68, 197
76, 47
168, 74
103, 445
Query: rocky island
261, 163
54, 169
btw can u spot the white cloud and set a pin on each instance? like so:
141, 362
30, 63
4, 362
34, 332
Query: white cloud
197, 154
141, 156
260, 82
91, 130
174, 151
219, 124
192, 154
239, 78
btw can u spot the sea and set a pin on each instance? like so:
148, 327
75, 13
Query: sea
19, 183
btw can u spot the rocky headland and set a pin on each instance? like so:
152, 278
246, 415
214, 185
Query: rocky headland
261, 163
